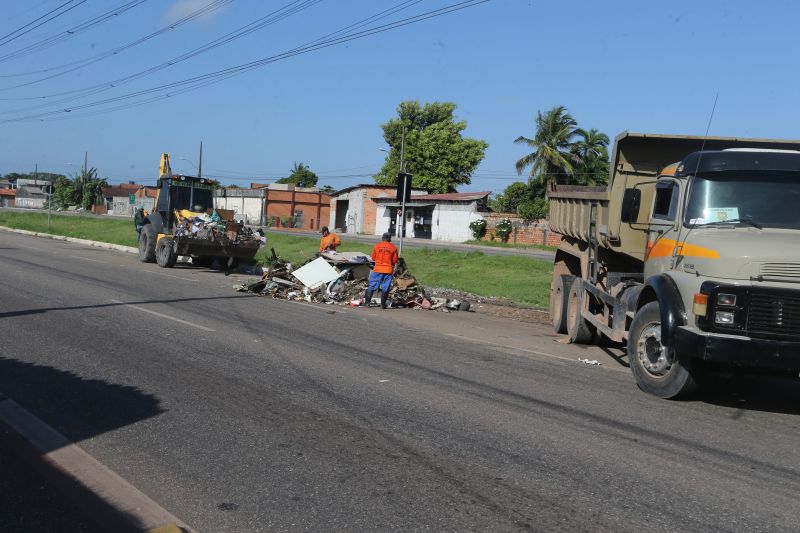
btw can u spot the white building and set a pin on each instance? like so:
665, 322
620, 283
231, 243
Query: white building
439, 217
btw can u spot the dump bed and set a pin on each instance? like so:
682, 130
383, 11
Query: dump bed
636, 158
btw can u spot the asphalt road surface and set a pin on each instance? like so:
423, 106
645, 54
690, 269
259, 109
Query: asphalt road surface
240, 413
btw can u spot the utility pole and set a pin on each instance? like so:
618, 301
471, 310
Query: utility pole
200, 162
403, 179
85, 170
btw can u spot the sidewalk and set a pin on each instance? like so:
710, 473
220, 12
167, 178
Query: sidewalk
533, 253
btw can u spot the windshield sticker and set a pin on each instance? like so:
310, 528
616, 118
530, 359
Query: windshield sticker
721, 214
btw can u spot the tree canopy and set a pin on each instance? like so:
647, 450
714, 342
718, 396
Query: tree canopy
436, 154
301, 176
84, 190
562, 153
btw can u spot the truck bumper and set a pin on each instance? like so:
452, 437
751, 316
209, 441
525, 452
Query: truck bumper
739, 351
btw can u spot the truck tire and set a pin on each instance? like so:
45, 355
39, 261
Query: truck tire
147, 244
559, 298
579, 330
658, 370
165, 252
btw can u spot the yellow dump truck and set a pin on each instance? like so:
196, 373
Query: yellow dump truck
690, 255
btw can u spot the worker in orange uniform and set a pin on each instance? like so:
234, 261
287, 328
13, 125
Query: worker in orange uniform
329, 241
385, 256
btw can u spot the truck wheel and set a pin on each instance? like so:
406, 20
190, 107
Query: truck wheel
579, 329
147, 244
559, 298
165, 252
658, 370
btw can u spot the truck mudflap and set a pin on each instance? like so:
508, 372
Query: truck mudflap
739, 351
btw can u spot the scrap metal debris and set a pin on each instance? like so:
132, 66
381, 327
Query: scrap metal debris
340, 278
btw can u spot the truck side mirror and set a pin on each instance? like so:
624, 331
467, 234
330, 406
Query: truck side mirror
630, 205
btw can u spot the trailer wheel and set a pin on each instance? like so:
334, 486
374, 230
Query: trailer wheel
559, 299
165, 252
147, 244
658, 370
579, 329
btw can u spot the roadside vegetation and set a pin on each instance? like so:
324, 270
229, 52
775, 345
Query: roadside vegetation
520, 279
115, 231
500, 244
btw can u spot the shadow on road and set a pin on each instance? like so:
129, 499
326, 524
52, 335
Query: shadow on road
79, 409
752, 393
41, 310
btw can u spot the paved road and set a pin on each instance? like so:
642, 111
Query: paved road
240, 413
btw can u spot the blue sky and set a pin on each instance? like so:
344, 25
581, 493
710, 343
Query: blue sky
616, 65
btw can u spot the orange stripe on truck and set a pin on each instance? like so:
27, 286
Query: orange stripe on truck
664, 247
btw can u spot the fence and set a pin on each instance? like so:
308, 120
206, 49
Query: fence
523, 232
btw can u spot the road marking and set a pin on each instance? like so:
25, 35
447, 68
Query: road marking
535, 352
89, 259
162, 315
168, 275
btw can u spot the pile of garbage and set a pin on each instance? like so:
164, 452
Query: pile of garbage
213, 227
341, 278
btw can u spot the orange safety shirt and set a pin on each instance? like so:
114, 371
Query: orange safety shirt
385, 256
330, 241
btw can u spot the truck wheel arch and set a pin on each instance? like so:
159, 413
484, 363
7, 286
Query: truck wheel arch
662, 289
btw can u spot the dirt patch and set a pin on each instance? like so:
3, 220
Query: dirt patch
500, 307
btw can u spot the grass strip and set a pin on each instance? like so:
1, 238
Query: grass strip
521, 279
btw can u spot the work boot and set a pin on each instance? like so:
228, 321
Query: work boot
367, 298
384, 296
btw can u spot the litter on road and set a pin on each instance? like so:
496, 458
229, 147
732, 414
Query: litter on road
593, 362
341, 278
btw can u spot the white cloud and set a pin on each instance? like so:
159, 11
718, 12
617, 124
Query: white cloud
181, 8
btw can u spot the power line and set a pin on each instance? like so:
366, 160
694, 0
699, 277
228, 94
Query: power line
19, 33
190, 84
267, 20
74, 30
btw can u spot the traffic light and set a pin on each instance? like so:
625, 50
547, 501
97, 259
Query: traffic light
403, 186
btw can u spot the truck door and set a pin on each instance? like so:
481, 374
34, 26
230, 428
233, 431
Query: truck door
662, 233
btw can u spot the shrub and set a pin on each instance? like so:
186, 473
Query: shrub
535, 210
286, 222
504, 228
271, 221
478, 228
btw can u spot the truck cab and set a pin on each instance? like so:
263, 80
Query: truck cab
693, 264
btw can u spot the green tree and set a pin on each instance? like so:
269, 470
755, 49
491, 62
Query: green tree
327, 189
436, 153
525, 199
84, 190
552, 158
301, 175
591, 151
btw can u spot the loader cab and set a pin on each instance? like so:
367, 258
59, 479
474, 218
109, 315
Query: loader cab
178, 192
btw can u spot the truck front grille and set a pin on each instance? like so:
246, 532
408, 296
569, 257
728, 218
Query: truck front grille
788, 271
773, 314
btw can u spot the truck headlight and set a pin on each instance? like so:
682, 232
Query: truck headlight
724, 318
726, 300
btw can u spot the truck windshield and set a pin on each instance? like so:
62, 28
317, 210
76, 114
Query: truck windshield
767, 199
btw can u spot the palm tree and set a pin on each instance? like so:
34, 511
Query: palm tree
552, 155
591, 150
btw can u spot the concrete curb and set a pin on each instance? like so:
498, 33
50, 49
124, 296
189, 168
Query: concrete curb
106, 498
96, 244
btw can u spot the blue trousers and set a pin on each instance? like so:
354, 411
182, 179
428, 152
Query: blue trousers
382, 281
